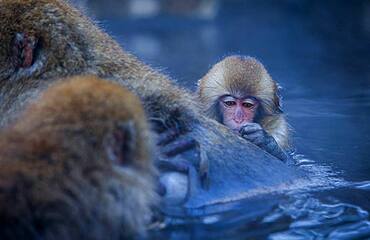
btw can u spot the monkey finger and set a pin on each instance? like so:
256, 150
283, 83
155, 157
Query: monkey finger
250, 128
179, 146
177, 166
161, 189
254, 134
255, 138
253, 125
248, 131
157, 125
167, 137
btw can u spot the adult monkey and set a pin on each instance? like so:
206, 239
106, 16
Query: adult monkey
77, 165
239, 93
44, 40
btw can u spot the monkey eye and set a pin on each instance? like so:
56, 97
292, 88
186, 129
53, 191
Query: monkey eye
230, 103
248, 105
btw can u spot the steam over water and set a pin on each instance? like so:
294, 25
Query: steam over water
319, 52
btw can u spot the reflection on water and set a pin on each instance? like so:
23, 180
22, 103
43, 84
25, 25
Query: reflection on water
319, 51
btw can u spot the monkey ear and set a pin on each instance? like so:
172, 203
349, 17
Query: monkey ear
119, 144
277, 99
278, 110
24, 48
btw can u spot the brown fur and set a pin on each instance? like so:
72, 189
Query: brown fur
245, 76
57, 179
70, 44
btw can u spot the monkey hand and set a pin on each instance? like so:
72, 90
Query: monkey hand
179, 180
165, 165
172, 162
172, 117
172, 139
254, 133
172, 143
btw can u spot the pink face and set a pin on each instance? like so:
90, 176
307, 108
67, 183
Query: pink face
236, 112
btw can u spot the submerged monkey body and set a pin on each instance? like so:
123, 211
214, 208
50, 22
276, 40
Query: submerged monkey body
69, 44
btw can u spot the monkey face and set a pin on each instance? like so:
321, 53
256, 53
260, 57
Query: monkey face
236, 112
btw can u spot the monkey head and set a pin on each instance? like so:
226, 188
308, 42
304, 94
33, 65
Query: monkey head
239, 90
83, 148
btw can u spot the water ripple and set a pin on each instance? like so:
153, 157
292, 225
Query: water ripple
312, 219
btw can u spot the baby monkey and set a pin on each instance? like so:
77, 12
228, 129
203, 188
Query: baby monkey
239, 93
